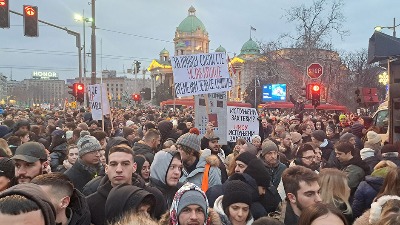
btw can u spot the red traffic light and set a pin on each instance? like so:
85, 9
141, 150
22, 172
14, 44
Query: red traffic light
29, 10
79, 87
315, 88
136, 97
3, 3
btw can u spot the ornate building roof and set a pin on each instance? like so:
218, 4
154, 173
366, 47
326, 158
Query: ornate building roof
250, 48
191, 23
220, 49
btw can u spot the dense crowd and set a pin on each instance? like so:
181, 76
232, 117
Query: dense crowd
152, 166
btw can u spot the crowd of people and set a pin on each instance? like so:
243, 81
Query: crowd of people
152, 166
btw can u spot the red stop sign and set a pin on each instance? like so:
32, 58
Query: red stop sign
315, 70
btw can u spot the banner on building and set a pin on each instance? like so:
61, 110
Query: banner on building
211, 108
201, 74
98, 101
241, 123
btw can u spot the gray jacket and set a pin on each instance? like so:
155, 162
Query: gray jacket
196, 176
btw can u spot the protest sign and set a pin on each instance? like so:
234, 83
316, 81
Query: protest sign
242, 123
211, 108
98, 101
200, 74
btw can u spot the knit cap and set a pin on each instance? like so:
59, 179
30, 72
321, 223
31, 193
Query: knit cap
88, 144
319, 135
7, 168
257, 170
189, 140
342, 116
388, 148
366, 153
246, 157
346, 137
192, 197
296, 137
268, 146
373, 137
236, 191
356, 129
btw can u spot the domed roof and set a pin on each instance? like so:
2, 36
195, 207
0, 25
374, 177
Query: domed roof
220, 49
164, 51
250, 48
180, 45
191, 23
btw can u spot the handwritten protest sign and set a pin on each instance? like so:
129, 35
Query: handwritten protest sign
242, 123
201, 74
216, 113
98, 101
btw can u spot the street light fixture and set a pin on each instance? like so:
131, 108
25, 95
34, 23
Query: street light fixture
379, 28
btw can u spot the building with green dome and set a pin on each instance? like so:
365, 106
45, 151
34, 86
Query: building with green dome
220, 49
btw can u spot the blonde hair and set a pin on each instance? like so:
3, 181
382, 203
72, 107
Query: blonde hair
135, 219
334, 187
4, 146
385, 163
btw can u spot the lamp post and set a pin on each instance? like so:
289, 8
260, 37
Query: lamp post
379, 28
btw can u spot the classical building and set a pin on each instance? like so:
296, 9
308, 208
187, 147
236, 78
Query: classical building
191, 37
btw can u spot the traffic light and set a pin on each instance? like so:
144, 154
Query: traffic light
137, 67
304, 91
136, 97
4, 14
315, 94
72, 91
358, 97
31, 23
80, 92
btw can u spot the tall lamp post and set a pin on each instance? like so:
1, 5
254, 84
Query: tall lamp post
379, 28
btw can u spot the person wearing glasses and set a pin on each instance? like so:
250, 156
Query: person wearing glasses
305, 156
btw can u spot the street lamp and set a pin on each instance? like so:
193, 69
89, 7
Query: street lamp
379, 28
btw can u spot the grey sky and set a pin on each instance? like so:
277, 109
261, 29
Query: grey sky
227, 21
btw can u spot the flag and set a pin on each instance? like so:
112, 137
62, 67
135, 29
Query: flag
252, 28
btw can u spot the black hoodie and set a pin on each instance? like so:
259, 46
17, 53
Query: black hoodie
80, 209
36, 194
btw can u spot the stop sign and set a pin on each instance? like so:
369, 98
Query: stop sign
315, 70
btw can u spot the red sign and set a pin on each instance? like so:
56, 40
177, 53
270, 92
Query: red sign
29, 10
315, 70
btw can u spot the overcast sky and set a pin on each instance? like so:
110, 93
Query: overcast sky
121, 22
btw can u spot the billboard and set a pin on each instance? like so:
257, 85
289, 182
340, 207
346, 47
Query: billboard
274, 92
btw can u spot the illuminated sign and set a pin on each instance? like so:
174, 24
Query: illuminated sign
44, 75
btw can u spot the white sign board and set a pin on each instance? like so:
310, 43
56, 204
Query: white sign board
98, 101
217, 105
201, 74
242, 123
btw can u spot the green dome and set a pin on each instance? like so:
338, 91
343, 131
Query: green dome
164, 51
180, 45
191, 23
250, 48
220, 49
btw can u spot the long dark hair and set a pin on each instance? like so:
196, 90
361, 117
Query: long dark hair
317, 210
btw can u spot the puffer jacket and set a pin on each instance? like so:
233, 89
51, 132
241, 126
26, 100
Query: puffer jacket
365, 194
196, 176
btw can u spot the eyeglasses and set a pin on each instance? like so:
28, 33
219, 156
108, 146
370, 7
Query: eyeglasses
309, 157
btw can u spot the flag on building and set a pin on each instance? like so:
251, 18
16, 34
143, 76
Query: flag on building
252, 28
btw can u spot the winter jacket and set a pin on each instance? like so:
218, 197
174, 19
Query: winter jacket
371, 162
196, 176
167, 191
276, 173
143, 149
224, 218
57, 156
395, 159
80, 175
327, 150
285, 214
365, 194
80, 209
97, 200
356, 170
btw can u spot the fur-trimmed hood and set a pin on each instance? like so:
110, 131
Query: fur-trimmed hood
212, 215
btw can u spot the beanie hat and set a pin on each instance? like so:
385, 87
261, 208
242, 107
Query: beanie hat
296, 137
268, 146
7, 168
83, 133
319, 135
373, 137
189, 140
236, 191
129, 123
342, 116
356, 129
88, 144
388, 148
257, 170
191, 197
4, 130
245, 157
194, 130
366, 153
69, 134
346, 137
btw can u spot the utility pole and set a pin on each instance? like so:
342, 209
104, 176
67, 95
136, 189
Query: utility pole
93, 42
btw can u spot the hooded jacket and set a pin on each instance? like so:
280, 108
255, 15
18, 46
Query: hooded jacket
224, 218
365, 194
97, 200
158, 174
36, 194
196, 176
58, 155
143, 149
80, 209
356, 170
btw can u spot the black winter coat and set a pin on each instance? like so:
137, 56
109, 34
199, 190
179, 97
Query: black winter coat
145, 150
80, 176
365, 194
80, 209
